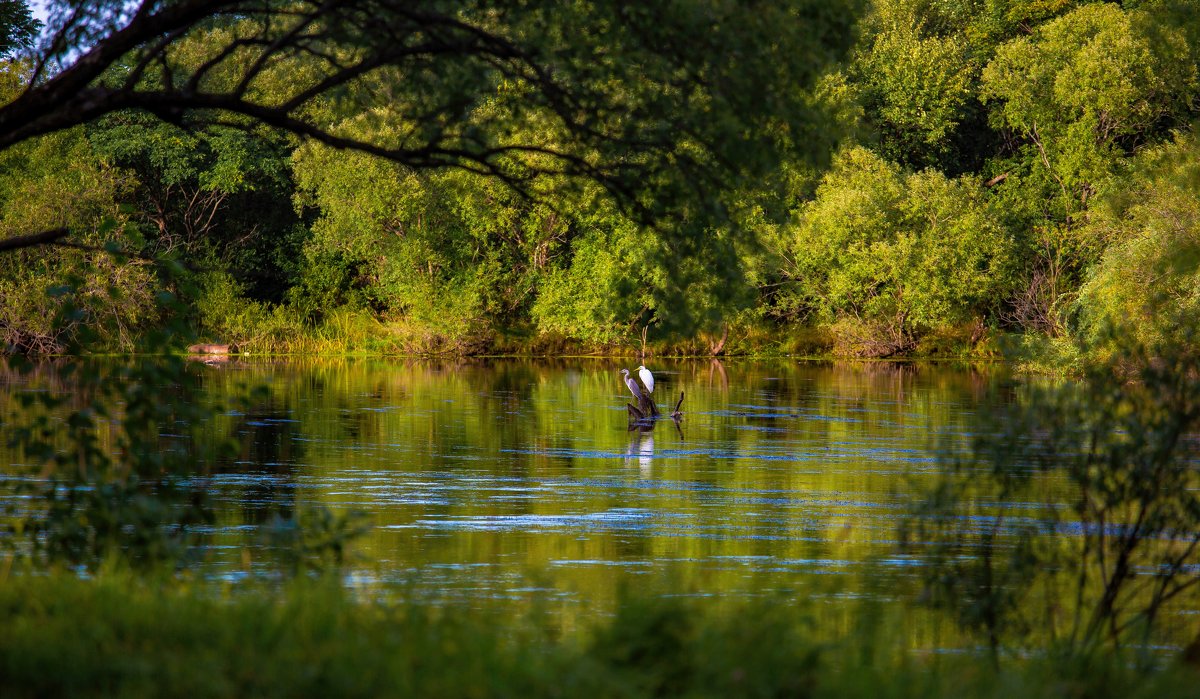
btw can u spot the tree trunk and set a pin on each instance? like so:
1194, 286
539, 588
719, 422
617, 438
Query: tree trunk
646, 405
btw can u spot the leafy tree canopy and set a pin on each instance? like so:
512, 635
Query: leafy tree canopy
654, 100
1088, 87
664, 105
889, 254
1147, 285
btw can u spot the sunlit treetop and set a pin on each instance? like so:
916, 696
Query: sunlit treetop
18, 28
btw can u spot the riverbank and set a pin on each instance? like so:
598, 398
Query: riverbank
118, 635
361, 333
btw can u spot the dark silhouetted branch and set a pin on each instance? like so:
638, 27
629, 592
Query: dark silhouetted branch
33, 239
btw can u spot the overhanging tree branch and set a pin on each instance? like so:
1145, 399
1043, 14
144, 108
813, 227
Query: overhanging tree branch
33, 239
510, 91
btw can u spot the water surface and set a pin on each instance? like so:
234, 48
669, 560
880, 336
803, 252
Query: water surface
521, 479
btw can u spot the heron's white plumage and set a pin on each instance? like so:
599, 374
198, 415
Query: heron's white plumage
647, 378
633, 387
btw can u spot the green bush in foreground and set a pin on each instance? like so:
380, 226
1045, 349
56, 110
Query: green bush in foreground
116, 636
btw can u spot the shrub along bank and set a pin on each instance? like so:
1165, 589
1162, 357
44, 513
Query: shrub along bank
117, 636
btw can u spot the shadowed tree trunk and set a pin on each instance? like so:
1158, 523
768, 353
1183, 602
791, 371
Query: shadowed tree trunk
646, 405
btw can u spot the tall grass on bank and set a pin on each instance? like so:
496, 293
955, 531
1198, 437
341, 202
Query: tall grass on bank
122, 636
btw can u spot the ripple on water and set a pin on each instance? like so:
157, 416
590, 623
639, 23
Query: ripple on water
621, 518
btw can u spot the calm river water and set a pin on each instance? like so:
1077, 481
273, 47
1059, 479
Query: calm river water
522, 479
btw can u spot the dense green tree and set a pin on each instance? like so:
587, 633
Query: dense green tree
604, 286
887, 255
454, 174
1077, 97
917, 76
217, 197
660, 96
452, 253
1083, 91
664, 107
1147, 285
56, 181
917, 71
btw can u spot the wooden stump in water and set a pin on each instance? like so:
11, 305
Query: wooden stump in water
646, 405
646, 409
675, 414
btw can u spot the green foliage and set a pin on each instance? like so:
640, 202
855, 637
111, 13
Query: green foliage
606, 282
1084, 89
18, 28
224, 313
218, 196
1076, 96
446, 252
138, 638
1044, 100
918, 84
664, 648
1117, 448
55, 182
117, 636
890, 254
661, 189
447, 258
1148, 283
459, 256
593, 299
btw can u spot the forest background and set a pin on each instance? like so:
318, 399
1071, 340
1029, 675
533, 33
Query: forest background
1006, 176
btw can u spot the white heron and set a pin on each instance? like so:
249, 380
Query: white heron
647, 378
633, 387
